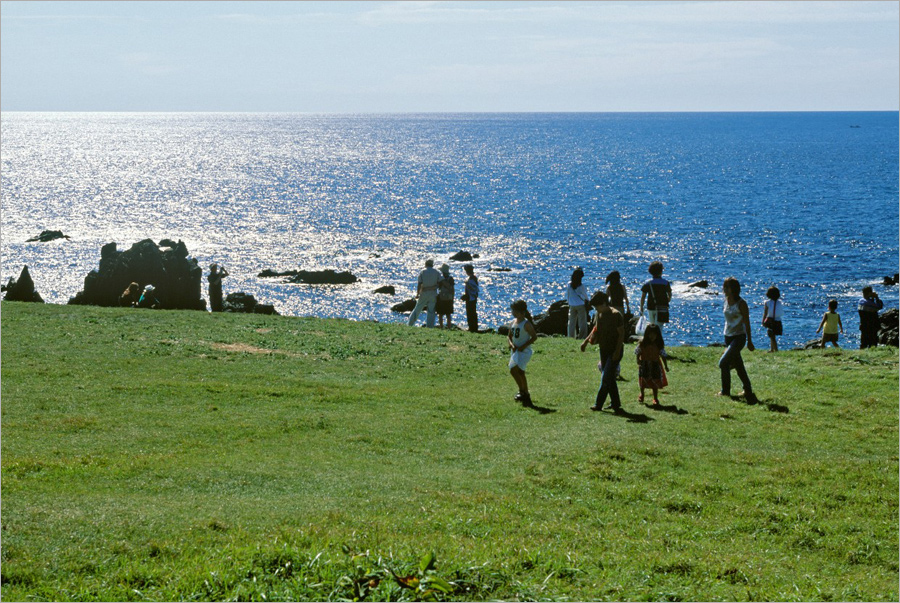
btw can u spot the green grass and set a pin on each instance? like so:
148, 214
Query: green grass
185, 456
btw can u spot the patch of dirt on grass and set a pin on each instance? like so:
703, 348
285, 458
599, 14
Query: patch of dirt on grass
246, 348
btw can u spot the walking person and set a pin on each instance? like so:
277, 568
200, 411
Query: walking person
215, 287
426, 294
577, 298
772, 315
869, 324
737, 335
652, 363
521, 335
657, 292
832, 324
609, 334
471, 298
446, 292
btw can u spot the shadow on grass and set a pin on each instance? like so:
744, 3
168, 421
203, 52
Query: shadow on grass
666, 408
540, 409
770, 405
629, 416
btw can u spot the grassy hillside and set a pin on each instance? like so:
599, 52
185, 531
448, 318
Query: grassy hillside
153, 455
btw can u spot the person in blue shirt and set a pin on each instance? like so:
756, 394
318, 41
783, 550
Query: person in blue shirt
868, 308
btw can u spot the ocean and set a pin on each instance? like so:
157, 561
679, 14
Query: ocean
807, 202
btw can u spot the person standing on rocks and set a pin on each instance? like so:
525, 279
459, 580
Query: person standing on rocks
869, 324
657, 292
215, 287
426, 294
577, 298
471, 298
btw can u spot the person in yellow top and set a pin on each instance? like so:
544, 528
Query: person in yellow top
832, 323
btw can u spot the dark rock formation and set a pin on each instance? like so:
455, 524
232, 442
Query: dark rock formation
317, 277
47, 236
700, 284
463, 256
246, 303
492, 269
891, 280
176, 277
387, 290
555, 321
404, 306
22, 288
890, 325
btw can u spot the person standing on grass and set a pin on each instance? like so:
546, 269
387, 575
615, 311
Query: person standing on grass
577, 298
471, 298
868, 308
215, 287
426, 294
831, 321
652, 364
657, 292
521, 335
609, 334
737, 335
773, 312
446, 291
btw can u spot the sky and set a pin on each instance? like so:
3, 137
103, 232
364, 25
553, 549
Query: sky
392, 57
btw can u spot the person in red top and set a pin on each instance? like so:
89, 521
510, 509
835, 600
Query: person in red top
652, 365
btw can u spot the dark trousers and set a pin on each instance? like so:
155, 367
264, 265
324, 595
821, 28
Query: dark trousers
868, 337
731, 359
472, 315
608, 385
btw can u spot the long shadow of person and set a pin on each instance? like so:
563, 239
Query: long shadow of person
630, 417
541, 409
666, 408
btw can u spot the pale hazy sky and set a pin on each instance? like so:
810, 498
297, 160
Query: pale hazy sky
351, 57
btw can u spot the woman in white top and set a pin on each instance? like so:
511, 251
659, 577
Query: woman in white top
774, 309
577, 297
737, 334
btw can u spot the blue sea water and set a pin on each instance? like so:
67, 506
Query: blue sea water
807, 202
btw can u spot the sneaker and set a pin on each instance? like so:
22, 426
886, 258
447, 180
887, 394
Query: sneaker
519, 397
595, 407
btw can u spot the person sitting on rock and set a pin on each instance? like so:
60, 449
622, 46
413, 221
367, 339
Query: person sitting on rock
131, 296
148, 298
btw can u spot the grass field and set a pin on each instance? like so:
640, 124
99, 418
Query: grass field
155, 455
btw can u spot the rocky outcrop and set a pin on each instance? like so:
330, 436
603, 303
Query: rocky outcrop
555, 321
47, 236
891, 280
315, 277
700, 285
463, 256
387, 290
404, 306
176, 277
22, 288
890, 325
246, 303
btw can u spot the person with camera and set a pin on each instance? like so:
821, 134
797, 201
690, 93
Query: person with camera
216, 275
868, 308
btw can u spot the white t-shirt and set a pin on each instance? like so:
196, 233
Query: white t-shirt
576, 297
778, 311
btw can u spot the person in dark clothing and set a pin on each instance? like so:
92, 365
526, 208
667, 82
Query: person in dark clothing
471, 298
868, 308
215, 287
609, 334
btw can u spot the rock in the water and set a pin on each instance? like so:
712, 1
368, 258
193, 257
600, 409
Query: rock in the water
176, 278
268, 273
47, 236
463, 256
22, 288
387, 290
891, 280
889, 331
323, 277
700, 284
404, 306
